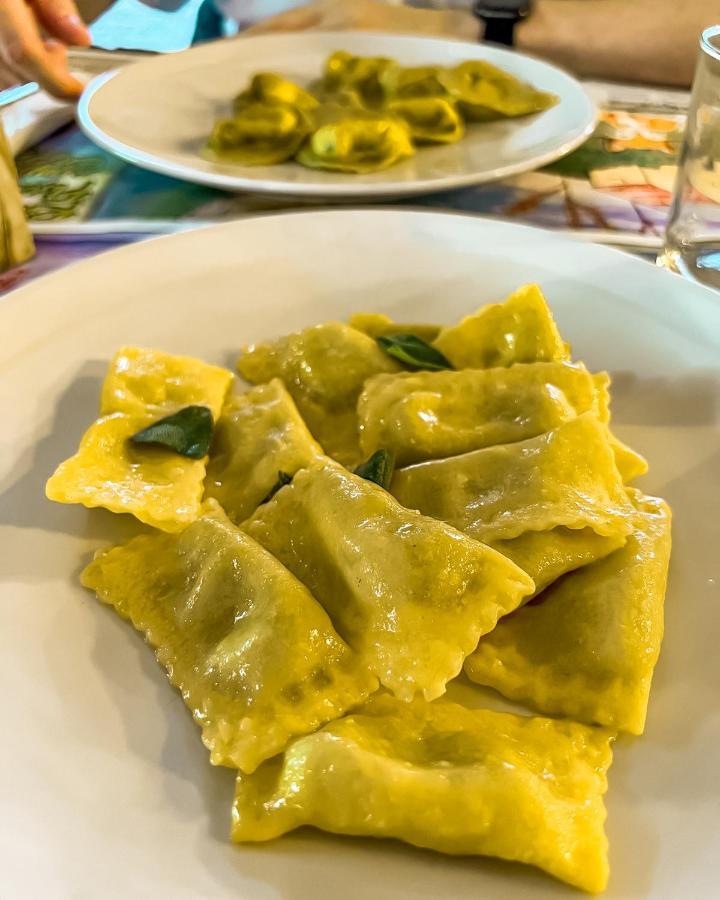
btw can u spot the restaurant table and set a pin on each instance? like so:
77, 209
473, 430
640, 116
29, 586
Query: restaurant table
616, 188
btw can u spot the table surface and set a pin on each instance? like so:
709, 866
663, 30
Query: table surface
615, 189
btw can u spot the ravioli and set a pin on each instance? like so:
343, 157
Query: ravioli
335, 104
253, 654
411, 82
410, 594
431, 120
149, 381
588, 647
324, 368
357, 143
380, 325
314, 617
365, 113
531, 494
630, 463
259, 434
519, 330
431, 415
546, 555
267, 87
485, 92
564, 477
260, 134
361, 74
155, 485
441, 776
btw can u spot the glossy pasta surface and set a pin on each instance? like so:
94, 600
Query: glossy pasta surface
253, 653
365, 114
410, 594
386, 507
441, 776
588, 649
157, 486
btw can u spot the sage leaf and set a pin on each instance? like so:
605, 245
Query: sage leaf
188, 432
283, 479
378, 468
413, 352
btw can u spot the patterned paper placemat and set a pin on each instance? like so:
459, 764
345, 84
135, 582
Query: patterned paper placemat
617, 187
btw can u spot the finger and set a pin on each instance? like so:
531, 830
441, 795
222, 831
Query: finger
23, 52
8, 79
48, 66
300, 19
69, 86
60, 18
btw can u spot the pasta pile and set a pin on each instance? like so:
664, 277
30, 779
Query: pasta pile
390, 506
366, 113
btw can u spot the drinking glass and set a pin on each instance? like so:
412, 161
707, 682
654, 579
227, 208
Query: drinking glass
692, 241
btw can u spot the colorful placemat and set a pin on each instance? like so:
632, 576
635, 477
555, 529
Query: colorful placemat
616, 188
618, 185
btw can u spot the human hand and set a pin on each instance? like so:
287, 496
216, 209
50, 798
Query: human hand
26, 56
371, 15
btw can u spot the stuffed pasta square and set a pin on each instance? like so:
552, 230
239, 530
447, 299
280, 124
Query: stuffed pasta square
519, 330
157, 486
441, 776
410, 594
587, 647
432, 415
259, 434
551, 503
255, 656
324, 368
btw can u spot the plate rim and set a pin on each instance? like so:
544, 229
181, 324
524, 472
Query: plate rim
12, 297
696, 297
154, 163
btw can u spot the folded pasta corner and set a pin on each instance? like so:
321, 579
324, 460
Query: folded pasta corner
521, 329
447, 778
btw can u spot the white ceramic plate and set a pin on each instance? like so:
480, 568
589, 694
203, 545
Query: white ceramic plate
107, 791
159, 114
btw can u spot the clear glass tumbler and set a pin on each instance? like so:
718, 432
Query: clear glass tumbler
692, 241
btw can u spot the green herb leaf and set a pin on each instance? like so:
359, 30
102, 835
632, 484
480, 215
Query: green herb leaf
187, 432
379, 468
283, 479
413, 352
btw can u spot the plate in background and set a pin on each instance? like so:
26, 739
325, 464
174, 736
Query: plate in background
158, 113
